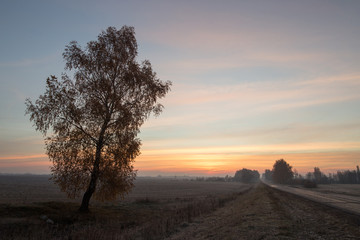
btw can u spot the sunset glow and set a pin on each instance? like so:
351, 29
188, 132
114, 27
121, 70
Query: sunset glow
253, 82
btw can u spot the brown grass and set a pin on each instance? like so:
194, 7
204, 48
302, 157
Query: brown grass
265, 213
153, 210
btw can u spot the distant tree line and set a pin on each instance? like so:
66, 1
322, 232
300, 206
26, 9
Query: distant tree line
282, 173
244, 175
227, 178
342, 177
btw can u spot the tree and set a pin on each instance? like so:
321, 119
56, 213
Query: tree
282, 172
94, 117
247, 175
267, 175
347, 177
317, 174
319, 177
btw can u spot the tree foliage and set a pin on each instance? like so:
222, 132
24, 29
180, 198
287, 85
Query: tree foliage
267, 175
93, 118
282, 172
246, 175
347, 177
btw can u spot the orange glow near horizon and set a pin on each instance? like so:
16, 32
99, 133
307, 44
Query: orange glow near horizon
223, 160
24, 157
221, 163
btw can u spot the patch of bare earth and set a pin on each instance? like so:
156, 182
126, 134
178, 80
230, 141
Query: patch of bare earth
265, 213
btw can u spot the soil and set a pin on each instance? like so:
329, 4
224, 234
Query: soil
266, 213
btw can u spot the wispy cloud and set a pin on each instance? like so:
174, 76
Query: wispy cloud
300, 133
351, 79
265, 149
23, 157
191, 103
31, 62
329, 162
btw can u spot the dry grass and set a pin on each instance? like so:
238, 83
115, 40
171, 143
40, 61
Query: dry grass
265, 213
175, 209
153, 210
25, 189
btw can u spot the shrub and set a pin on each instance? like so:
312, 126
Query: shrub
309, 184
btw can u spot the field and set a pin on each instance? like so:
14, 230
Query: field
37, 188
154, 209
31, 207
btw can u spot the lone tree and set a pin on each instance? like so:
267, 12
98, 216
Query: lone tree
90, 122
282, 172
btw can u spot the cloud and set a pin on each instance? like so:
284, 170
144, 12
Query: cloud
253, 149
241, 60
200, 102
281, 133
31, 62
328, 162
23, 157
37, 164
344, 79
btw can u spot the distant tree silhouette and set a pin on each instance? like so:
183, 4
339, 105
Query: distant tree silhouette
317, 174
267, 175
343, 177
246, 175
282, 172
94, 118
347, 177
319, 177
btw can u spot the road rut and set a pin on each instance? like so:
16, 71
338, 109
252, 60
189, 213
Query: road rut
266, 213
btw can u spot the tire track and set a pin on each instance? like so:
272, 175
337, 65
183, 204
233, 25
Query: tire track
266, 213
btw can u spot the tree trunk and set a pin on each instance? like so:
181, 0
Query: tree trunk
85, 201
95, 173
92, 186
94, 177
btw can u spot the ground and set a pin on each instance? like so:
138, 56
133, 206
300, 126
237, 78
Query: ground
265, 213
169, 209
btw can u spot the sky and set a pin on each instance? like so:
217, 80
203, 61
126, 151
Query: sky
253, 81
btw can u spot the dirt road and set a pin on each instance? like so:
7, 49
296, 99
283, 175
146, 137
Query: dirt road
349, 203
266, 213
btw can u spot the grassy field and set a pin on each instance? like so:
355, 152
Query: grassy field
31, 207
